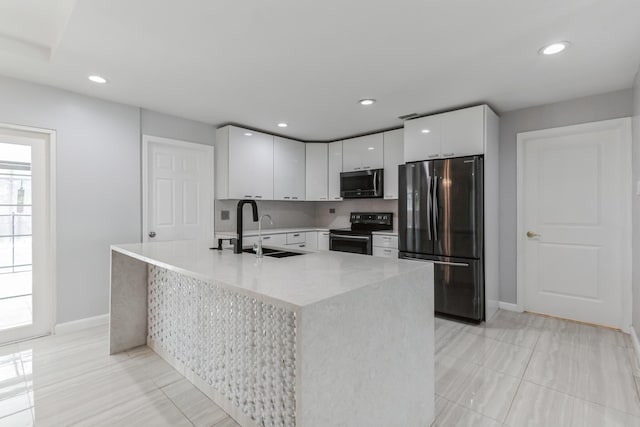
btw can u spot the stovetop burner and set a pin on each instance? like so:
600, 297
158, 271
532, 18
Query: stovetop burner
363, 223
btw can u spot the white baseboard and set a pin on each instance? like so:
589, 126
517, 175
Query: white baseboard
78, 325
635, 341
509, 307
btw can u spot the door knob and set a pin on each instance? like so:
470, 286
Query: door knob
152, 234
531, 234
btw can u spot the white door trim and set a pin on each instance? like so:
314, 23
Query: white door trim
623, 125
146, 139
49, 270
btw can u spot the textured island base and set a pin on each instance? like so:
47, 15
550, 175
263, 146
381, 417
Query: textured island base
362, 358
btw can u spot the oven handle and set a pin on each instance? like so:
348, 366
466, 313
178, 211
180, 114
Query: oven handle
347, 237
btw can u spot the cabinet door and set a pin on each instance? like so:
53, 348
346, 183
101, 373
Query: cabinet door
250, 164
422, 138
288, 169
393, 156
335, 167
463, 132
311, 239
363, 152
316, 171
323, 241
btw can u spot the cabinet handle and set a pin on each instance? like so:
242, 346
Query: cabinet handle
433, 156
247, 197
366, 167
355, 169
287, 197
258, 197
266, 237
296, 235
386, 238
325, 234
301, 246
337, 198
448, 154
294, 198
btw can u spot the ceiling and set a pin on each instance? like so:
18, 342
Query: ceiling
260, 62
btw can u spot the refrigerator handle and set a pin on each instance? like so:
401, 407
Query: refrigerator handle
429, 207
434, 203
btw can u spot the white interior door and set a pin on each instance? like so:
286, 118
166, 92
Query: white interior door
178, 190
26, 236
574, 221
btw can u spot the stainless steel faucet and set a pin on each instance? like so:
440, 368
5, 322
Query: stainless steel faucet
259, 248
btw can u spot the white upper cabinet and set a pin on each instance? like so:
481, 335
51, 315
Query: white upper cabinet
288, 169
422, 138
463, 132
244, 164
393, 156
335, 167
453, 134
363, 152
317, 167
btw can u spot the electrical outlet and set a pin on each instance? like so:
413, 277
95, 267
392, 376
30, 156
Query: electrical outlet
332, 210
224, 215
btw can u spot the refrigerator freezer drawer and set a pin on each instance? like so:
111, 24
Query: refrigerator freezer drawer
459, 288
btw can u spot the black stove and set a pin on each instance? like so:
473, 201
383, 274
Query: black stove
358, 239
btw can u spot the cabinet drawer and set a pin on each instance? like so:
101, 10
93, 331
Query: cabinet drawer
276, 240
297, 246
385, 252
385, 241
293, 238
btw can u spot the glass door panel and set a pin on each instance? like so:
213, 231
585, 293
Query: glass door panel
16, 305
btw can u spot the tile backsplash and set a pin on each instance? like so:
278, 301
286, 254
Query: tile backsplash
302, 214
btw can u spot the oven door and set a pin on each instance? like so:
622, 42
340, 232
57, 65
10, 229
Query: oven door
350, 243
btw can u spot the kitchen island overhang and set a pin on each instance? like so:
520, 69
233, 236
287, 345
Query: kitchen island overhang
315, 340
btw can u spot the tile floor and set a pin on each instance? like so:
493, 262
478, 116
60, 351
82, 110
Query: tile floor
516, 370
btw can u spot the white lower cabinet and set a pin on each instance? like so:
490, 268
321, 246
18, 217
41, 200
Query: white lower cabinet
385, 246
275, 240
295, 238
323, 240
311, 239
385, 252
296, 246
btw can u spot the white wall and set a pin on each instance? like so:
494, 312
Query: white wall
97, 185
166, 126
636, 204
582, 110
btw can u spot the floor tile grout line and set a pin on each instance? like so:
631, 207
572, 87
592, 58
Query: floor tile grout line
175, 404
30, 391
513, 399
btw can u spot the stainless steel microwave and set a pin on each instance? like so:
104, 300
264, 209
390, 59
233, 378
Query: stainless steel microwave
362, 184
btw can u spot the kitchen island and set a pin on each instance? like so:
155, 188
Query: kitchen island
320, 339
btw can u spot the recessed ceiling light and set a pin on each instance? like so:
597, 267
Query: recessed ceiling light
425, 130
97, 79
367, 101
372, 148
282, 125
248, 134
554, 48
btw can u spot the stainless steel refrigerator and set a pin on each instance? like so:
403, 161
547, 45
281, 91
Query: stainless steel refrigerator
440, 214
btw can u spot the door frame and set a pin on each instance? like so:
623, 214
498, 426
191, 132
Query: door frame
146, 139
623, 126
48, 288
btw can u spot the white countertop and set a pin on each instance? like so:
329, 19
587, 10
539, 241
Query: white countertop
296, 281
386, 233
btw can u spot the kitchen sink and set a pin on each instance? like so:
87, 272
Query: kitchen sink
273, 253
